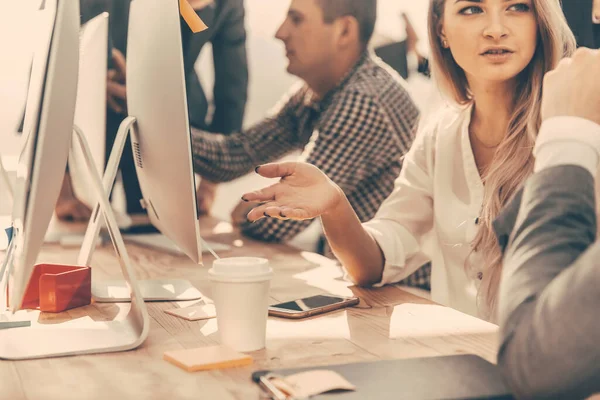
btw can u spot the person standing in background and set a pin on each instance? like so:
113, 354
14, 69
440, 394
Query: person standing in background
227, 34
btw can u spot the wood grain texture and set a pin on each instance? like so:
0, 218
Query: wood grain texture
388, 323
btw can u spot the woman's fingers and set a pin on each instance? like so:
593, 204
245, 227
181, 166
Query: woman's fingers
269, 210
263, 195
277, 170
294, 213
258, 212
274, 210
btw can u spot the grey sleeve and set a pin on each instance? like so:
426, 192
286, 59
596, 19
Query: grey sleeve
551, 287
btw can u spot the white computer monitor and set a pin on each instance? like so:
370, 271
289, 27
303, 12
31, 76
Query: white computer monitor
161, 141
90, 109
47, 128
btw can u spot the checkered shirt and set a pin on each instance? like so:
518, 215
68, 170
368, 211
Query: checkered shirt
357, 134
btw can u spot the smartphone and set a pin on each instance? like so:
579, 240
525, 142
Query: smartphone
309, 306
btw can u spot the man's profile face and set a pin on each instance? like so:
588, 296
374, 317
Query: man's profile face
309, 41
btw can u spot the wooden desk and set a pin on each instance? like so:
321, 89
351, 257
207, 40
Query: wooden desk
388, 323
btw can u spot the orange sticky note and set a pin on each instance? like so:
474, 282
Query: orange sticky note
206, 358
191, 18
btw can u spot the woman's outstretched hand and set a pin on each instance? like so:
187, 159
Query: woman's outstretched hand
303, 192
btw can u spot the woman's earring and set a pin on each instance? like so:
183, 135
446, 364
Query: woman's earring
445, 43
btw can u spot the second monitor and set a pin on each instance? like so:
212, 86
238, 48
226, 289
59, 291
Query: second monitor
161, 141
159, 128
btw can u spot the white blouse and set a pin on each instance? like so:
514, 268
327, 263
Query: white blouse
432, 214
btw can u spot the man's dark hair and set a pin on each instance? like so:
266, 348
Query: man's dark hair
365, 12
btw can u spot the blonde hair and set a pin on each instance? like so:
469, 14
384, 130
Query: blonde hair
513, 160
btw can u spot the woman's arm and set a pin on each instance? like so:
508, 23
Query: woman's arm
353, 245
390, 242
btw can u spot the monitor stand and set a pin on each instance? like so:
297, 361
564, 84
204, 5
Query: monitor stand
116, 291
84, 335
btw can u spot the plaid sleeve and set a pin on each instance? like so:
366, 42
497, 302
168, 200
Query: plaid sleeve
222, 158
350, 144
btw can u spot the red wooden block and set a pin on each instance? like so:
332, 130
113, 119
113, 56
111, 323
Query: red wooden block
55, 288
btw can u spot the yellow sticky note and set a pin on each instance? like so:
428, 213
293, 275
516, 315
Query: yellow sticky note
191, 18
207, 358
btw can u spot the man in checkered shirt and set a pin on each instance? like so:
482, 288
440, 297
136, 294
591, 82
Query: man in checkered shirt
351, 116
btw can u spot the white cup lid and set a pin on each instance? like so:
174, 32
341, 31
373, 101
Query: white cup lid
241, 267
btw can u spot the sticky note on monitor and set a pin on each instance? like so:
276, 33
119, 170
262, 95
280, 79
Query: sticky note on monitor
207, 358
191, 18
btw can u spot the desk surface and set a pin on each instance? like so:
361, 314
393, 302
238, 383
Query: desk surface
388, 323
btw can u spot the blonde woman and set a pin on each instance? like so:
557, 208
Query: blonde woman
489, 58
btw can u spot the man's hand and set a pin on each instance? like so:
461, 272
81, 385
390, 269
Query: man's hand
72, 209
205, 196
69, 207
116, 91
239, 215
573, 88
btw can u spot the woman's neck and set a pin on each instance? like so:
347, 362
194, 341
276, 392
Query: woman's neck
492, 111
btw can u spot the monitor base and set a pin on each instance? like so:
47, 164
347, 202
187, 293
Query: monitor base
72, 338
152, 290
81, 336
115, 291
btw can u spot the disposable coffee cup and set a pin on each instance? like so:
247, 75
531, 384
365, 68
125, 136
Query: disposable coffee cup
240, 288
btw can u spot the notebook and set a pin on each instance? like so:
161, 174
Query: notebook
448, 378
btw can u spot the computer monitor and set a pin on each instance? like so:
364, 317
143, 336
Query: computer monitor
90, 109
48, 128
158, 127
161, 138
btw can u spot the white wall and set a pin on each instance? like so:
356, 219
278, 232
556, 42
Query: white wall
17, 30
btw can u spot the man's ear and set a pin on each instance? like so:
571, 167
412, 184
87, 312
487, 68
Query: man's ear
347, 31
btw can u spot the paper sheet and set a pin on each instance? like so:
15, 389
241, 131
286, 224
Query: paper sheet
194, 313
312, 383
